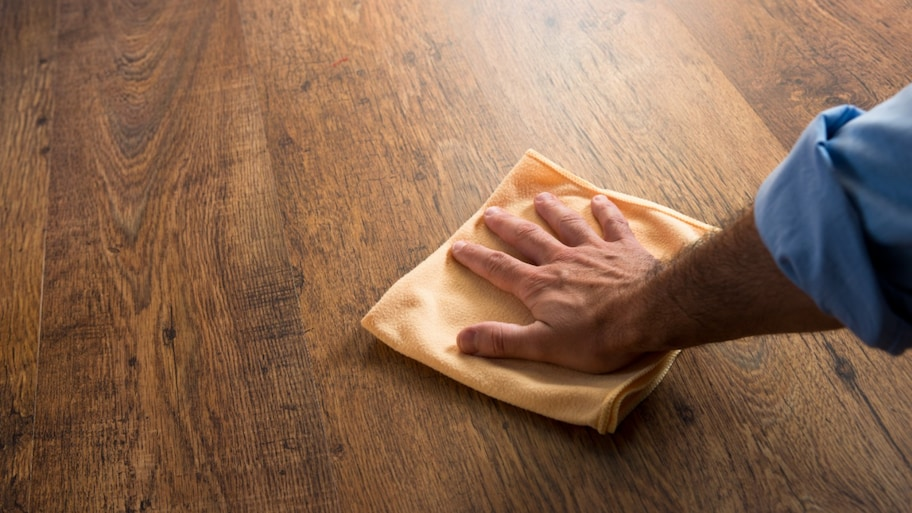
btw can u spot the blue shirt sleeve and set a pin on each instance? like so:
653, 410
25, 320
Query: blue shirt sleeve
836, 215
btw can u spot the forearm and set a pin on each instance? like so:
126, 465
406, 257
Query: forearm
723, 288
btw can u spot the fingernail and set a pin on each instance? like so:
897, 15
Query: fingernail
544, 196
599, 199
492, 211
458, 245
466, 341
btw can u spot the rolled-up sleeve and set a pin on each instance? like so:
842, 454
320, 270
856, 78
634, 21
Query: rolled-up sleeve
836, 215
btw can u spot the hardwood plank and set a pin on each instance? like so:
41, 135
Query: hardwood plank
795, 475
365, 108
663, 91
217, 227
26, 65
623, 94
358, 127
174, 374
792, 60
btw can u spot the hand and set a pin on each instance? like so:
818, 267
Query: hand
581, 289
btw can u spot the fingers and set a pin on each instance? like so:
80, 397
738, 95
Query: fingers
536, 342
502, 270
570, 227
504, 340
530, 239
537, 245
614, 224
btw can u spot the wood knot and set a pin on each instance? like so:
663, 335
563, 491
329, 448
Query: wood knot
170, 334
685, 413
844, 369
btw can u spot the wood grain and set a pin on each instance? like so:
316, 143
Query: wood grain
26, 111
792, 60
578, 87
637, 117
231, 184
368, 190
173, 369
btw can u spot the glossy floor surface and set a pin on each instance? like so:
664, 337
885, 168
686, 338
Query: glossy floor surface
199, 199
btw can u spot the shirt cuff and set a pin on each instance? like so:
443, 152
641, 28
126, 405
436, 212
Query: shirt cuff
816, 237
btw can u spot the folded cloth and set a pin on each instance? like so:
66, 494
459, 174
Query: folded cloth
420, 315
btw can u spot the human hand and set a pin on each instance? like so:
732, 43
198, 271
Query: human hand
580, 287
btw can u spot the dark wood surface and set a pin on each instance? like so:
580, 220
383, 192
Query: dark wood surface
27, 40
200, 199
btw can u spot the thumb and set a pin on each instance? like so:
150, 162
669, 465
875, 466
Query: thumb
504, 340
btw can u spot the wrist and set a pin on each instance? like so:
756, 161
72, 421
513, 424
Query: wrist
636, 322
658, 322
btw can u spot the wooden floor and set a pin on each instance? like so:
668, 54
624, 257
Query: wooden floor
200, 199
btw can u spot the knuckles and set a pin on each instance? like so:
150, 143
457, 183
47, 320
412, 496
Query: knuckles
620, 221
541, 280
575, 228
498, 264
527, 230
572, 220
497, 343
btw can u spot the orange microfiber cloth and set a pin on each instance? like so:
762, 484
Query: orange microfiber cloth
420, 315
